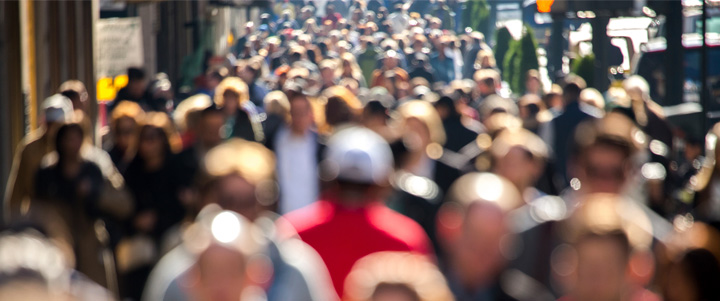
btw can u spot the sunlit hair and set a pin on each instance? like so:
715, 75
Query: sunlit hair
332, 95
489, 76
484, 187
637, 87
411, 273
482, 55
615, 129
162, 121
425, 113
609, 214
593, 97
126, 109
276, 102
28, 257
519, 137
187, 113
250, 160
349, 58
232, 84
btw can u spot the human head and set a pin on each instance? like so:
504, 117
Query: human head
68, 141
210, 127
637, 88
231, 94
241, 177
485, 60
358, 162
56, 109
519, 155
423, 129
532, 111
494, 104
592, 97
276, 103
32, 267
125, 122
608, 236
301, 114
341, 106
396, 276
157, 137
554, 98
487, 81
188, 112
603, 152
473, 229
693, 277
77, 93
571, 92
533, 84
229, 260
214, 76
137, 82
250, 70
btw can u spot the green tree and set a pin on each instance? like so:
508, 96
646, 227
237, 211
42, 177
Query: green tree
475, 15
502, 45
584, 67
520, 58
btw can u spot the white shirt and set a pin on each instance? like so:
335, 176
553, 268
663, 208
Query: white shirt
297, 170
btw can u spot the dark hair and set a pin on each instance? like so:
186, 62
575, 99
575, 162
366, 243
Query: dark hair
702, 268
449, 103
135, 74
62, 132
571, 92
210, 110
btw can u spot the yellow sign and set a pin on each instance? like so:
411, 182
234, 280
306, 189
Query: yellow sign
108, 87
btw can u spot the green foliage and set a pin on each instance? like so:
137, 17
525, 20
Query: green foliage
502, 45
475, 15
520, 58
584, 67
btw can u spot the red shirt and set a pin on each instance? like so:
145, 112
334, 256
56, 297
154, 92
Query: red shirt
343, 235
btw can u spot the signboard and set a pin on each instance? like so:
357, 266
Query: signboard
119, 46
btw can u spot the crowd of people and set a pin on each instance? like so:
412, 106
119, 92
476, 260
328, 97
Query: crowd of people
357, 151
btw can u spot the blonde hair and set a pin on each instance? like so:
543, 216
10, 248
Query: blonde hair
396, 269
426, 113
482, 54
276, 102
232, 84
126, 109
592, 97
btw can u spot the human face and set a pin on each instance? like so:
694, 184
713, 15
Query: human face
236, 194
151, 143
477, 256
604, 170
71, 143
601, 270
418, 131
124, 132
210, 129
518, 166
221, 274
231, 102
328, 75
301, 115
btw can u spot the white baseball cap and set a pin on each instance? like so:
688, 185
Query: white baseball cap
57, 108
358, 155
